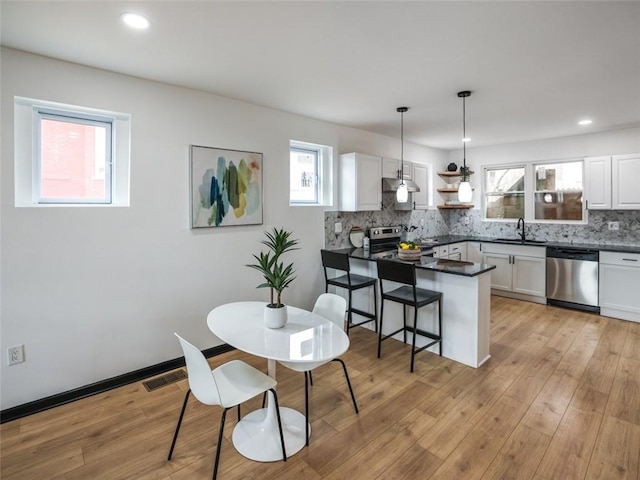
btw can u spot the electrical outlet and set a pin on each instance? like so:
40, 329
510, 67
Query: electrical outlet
15, 354
614, 226
337, 227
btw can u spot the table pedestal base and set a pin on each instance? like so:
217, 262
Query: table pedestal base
256, 436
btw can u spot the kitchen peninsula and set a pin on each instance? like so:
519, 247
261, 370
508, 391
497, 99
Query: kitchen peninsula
466, 289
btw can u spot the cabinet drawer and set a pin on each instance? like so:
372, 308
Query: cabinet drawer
620, 258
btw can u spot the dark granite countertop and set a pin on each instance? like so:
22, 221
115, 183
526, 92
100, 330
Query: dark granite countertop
443, 265
449, 239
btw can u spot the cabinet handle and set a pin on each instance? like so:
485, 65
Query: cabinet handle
630, 259
586, 205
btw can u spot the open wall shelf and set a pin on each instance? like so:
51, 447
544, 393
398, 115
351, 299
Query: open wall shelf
447, 191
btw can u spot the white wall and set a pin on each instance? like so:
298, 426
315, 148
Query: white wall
614, 142
97, 292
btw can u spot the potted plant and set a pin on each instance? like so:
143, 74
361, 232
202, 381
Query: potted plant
277, 275
465, 172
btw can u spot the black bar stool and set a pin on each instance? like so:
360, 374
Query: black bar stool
408, 295
349, 281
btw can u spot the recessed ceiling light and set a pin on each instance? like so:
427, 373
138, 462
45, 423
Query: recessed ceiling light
585, 122
135, 21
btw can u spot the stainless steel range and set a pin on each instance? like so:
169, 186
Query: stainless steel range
384, 239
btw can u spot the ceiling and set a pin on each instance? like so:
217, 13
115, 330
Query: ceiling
535, 68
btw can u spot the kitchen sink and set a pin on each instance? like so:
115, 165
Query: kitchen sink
518, 240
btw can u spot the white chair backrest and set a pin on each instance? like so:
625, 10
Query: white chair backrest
201, 381
332, 307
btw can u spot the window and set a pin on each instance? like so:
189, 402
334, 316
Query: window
558, 191
304, 175
543, 192
504, 197
310, 174
73, 158
68, 155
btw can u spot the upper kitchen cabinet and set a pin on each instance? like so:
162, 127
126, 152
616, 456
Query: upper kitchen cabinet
421, 177
360, 182
611, 182
391, 168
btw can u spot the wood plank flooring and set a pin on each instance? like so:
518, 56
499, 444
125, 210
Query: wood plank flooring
559, 399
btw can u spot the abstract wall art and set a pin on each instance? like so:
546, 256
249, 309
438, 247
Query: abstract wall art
226, 187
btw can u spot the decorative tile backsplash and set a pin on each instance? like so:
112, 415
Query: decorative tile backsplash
596, 231
430, 223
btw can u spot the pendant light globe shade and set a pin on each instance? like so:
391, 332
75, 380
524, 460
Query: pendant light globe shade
402, 195
465, 194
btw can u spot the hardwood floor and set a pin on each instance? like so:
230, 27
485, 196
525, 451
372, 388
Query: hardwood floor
559, 399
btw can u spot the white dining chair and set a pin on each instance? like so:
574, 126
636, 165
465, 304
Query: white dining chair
228, 386
334, 308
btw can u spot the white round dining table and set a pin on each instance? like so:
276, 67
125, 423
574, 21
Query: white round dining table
306, 338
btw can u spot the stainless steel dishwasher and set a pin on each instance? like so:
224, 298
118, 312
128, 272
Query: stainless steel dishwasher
572, 278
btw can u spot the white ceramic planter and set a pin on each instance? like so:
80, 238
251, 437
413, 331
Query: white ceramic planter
275, 317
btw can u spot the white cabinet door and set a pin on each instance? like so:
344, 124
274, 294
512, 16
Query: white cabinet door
597, 174
611, 182
390, 168
368, 186
501, 277
474, 252
619, 279
421, 177
626, 174
529, 275
619, 288
360, 185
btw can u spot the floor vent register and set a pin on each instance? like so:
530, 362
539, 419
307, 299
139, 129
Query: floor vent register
164, 380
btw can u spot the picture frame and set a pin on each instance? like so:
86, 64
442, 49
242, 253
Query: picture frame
226, 187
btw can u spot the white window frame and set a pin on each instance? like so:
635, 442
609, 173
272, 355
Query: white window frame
63, 116
324, 169
533, 191
27, 113
529, 191
486, 192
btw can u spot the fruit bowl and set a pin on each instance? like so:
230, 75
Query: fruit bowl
409, 251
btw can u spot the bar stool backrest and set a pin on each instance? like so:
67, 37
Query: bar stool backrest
396, 271
335, 260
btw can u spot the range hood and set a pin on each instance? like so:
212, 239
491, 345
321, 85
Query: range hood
391, 185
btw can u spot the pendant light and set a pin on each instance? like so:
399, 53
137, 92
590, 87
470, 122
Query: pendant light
465, 194
402, 195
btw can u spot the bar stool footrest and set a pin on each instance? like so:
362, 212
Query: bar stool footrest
389, 335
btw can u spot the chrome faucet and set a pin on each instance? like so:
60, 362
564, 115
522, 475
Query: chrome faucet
521, 220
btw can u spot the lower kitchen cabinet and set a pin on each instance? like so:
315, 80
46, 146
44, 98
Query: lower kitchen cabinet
474, 252
619, 278
520, 271
453, 251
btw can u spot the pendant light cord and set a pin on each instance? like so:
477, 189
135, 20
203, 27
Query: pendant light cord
401, 110
464, 134
402, 146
